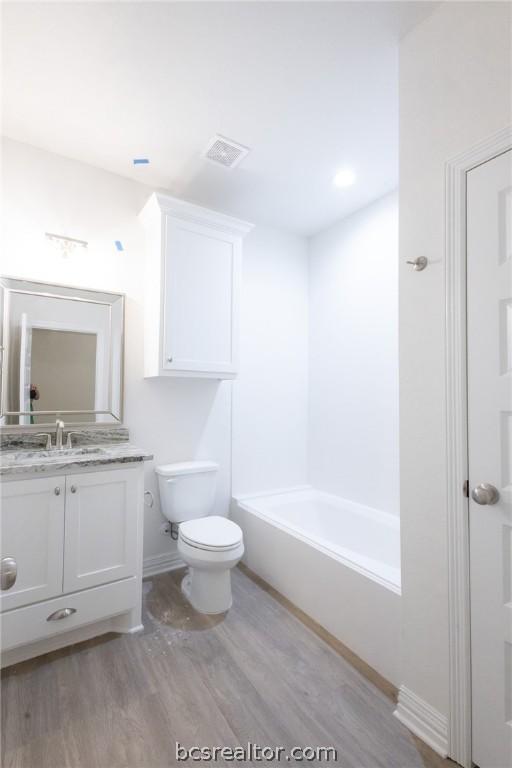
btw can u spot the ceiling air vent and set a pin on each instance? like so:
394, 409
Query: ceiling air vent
225, 151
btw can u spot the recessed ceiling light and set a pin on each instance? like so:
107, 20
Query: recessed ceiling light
344, 178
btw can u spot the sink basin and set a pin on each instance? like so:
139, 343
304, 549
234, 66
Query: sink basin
83, 451
47, 457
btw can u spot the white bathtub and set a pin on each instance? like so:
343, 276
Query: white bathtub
336, 560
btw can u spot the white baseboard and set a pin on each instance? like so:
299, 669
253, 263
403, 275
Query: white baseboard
423, 720
161, 563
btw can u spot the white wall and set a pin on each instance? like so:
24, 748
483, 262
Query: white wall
455, 89
177, 419
353, 343
271, 393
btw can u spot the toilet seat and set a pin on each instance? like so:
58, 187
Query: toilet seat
212, 534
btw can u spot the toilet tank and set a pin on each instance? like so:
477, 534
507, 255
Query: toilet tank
187, 489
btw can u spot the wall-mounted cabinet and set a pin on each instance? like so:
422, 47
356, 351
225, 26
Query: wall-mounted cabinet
192, 286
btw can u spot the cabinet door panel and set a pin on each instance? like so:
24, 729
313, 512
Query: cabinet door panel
201, 275
101, 528
31, 532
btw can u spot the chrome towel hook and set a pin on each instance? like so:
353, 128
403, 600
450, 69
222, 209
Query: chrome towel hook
419, 264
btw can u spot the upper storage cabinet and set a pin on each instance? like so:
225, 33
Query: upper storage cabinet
193, 262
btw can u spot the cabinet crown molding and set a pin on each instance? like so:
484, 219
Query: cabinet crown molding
186, 211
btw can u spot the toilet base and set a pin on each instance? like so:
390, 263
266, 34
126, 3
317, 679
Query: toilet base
208, 591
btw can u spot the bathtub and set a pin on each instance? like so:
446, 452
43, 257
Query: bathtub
336, 560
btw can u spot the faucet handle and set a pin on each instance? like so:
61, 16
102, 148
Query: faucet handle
48, 439
69, 443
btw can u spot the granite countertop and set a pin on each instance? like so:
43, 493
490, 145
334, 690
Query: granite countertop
25, 460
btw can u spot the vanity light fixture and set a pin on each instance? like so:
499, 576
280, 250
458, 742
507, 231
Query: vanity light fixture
67, 245
345, 177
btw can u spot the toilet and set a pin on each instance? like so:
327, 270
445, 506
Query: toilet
210, 545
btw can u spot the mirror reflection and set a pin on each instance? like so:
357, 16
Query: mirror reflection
62, 373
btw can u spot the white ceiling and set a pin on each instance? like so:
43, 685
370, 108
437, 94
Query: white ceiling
309, 86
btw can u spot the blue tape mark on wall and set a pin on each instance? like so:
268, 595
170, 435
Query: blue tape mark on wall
140, 161
119, 245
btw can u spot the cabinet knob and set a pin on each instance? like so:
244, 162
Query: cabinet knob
8, 572
73, 489
57, 491
62, 613
169, 359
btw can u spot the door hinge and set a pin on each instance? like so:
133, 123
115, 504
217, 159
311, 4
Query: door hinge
465, 489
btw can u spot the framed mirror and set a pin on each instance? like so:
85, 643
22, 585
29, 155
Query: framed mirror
62, 354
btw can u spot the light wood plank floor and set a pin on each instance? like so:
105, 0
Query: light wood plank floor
257, 674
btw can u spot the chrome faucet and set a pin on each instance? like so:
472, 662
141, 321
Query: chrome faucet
59, 430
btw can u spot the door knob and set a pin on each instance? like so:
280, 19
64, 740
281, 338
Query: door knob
485, 493
8, 572
419, 264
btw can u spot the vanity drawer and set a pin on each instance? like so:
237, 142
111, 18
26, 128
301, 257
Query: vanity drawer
25, 625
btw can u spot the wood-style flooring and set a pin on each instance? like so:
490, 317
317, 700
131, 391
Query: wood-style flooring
258, 674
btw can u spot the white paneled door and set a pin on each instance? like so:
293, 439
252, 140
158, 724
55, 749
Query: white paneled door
489, 311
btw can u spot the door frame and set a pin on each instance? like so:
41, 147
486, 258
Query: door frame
459, 714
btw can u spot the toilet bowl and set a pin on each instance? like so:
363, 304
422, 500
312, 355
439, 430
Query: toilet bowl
210, 545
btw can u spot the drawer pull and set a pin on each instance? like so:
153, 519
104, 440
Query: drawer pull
8, 572
73, 489
56, 491
62, 613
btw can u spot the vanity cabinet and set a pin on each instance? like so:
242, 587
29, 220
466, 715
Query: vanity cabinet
192, 287
32, 536
75, 543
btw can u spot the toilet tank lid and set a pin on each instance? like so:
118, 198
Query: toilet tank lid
186, 468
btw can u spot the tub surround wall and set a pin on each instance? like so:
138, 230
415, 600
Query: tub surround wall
316, 401
353, 357
270, 403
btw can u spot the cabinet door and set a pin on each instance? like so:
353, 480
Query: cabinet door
101, 528
31, 535
200, 298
